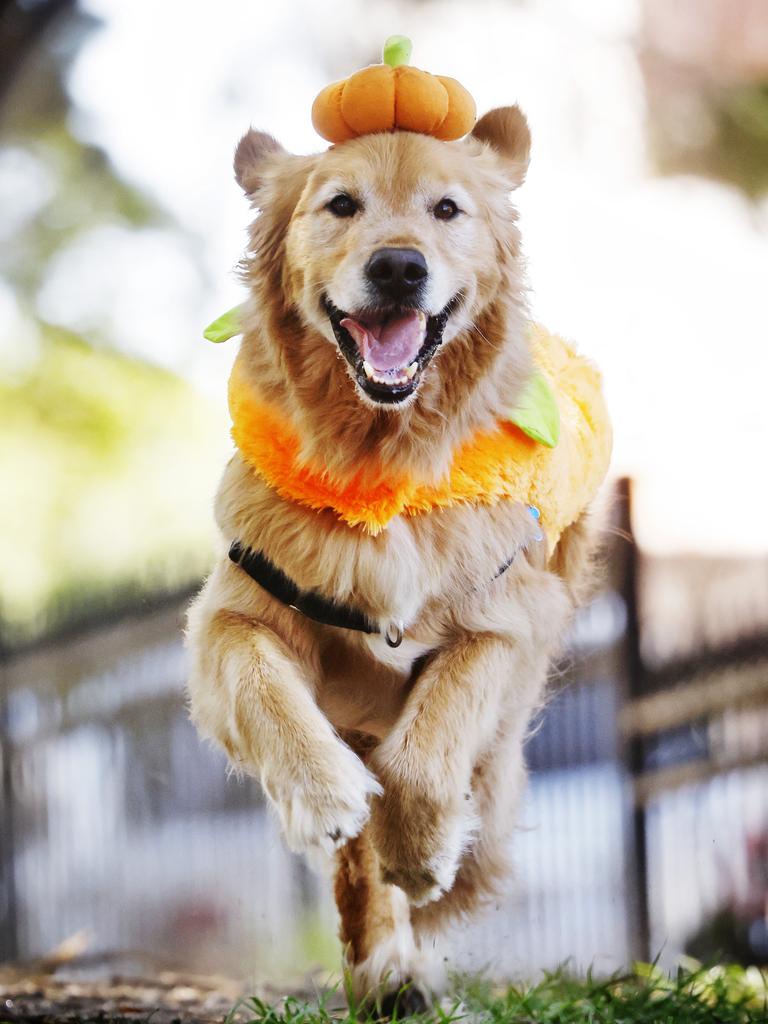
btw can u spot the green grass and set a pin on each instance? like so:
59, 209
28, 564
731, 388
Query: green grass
647, 995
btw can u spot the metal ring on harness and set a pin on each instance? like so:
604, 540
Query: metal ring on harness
393, 633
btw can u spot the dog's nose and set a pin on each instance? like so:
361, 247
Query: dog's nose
397, 273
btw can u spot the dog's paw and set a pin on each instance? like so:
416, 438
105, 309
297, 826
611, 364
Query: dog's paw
421, 844
328, 806
398, 972
427, 878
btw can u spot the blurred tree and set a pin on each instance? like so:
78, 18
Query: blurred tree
104, 459
705, 65
74, 187
21, 24
726, 138
101, 467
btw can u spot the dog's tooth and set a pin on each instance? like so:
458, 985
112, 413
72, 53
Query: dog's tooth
422, 317
410, 371
368, 369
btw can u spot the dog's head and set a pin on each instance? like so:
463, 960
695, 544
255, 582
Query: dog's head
389, 246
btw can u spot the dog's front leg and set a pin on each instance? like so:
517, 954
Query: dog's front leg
249, 692
425, 818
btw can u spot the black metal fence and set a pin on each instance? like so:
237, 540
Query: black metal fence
645, 826
696, 732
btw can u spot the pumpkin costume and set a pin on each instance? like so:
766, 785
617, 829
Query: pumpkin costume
551, 452
558, 475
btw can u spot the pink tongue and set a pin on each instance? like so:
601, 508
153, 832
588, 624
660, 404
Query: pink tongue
389, 346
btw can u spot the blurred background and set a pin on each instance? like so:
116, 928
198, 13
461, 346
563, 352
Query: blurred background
645, 221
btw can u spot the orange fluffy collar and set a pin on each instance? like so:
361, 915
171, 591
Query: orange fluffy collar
499, 464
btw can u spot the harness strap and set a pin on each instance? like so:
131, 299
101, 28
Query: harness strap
308, 602
319, 608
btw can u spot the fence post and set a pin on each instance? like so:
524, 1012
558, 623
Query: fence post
8, 915
633, 751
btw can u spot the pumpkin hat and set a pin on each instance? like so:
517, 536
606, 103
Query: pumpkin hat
392, 95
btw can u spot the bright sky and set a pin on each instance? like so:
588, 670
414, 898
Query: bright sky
662, 281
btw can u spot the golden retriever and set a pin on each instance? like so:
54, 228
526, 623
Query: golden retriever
387, 321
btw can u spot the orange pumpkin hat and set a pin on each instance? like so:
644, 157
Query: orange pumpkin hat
391, 95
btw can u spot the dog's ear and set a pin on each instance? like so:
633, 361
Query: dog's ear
251, 152
506, 131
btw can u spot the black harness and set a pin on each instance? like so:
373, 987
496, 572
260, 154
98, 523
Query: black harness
308, 602
313, 604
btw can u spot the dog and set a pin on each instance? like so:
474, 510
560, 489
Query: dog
386, 325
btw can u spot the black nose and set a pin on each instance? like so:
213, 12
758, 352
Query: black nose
397, 273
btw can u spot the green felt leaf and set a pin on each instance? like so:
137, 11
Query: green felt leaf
225, 327
536, 414
397, 51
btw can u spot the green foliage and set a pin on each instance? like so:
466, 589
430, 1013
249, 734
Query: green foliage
83, 189
325, 1011
741, 154
717, 995
728, 995
108, 465
84, 194
731, 141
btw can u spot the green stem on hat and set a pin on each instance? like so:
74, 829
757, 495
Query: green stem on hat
397, 51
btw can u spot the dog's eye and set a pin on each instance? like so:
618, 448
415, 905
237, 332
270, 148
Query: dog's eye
342, 205
446, 209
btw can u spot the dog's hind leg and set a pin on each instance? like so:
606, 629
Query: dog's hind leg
386, 967
498, 782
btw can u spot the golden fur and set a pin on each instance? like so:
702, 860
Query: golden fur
418, 800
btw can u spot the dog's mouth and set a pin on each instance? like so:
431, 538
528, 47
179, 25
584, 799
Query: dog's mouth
388, 349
